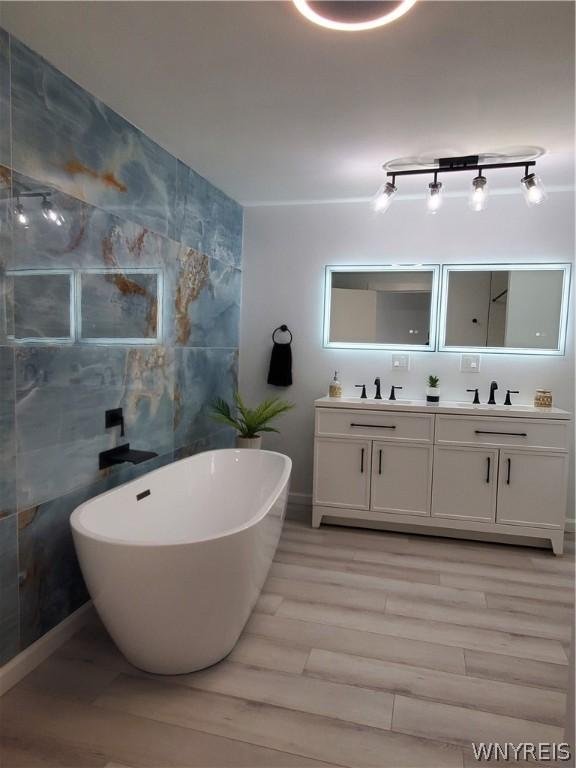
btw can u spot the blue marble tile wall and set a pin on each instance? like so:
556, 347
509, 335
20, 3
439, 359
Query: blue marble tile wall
133, 302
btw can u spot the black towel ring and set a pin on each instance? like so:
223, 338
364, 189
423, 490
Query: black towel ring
283, 329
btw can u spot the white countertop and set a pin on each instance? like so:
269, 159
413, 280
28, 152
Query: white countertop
420, 406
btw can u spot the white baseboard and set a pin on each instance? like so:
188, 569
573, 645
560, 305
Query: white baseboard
21, 665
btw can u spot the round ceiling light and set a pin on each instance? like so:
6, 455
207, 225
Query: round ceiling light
353, 16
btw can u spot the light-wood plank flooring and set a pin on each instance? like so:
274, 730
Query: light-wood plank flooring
365, 649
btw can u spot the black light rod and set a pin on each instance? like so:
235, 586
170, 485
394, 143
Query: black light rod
482, 167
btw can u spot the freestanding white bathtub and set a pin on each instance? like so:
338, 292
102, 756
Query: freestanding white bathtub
175, 560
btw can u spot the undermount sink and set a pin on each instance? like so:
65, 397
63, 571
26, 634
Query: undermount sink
495, 407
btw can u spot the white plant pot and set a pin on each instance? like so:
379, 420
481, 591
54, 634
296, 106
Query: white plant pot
249, 442
432, 394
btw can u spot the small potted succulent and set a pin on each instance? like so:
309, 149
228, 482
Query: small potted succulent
433, 390
249, 422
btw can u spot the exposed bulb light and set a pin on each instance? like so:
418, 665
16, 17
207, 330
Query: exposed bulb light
50, 213
346, 16
435, 197
20, 214
534, 191
479, 195
383, 197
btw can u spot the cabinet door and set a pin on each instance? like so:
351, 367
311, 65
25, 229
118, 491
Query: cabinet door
532, 489
465, 483
401, 478
342, 473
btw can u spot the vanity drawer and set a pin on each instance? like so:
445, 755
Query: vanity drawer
381, 425
487, 430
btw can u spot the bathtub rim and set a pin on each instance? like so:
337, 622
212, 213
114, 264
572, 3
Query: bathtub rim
79, 528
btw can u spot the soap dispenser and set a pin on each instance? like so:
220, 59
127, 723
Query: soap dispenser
335, 388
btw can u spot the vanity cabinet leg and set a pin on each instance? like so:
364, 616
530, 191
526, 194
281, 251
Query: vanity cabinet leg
316, 517
557, 540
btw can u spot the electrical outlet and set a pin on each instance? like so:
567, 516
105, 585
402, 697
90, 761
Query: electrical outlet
470, 364
401, 362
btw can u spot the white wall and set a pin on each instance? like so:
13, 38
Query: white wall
286, 249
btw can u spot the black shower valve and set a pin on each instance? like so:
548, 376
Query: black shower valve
115, 418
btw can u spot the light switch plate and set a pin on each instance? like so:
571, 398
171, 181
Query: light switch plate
401, 362
470, 363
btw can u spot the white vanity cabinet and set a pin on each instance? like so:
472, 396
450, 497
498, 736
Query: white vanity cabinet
401, 478
451, 466
465, 483
532, 489
379, 461
343, 472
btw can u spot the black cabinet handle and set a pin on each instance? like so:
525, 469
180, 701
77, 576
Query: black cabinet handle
362, 461
375, 426
516, 434
509, 469
488, 464
380, 461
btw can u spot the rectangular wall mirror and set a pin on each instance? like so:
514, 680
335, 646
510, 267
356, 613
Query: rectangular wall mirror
506, 308
391, 307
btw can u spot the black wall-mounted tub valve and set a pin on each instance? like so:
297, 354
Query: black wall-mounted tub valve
363, 395
476, 400
121, 453
115, 418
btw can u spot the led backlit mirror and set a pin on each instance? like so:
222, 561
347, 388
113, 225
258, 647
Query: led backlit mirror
381, 307
507, 308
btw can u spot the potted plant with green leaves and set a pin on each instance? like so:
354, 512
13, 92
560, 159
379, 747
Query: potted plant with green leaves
433, 390
249, 422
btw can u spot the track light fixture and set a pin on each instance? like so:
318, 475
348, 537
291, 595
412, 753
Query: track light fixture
435, 197
50, 213
383, 197
532, 186
534, 192
49, 210
479, 193
20, 214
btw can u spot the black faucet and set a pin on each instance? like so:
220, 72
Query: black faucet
393, 392
363, 395
508, 393
377, 396
493, 388
476, 400
123, 453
